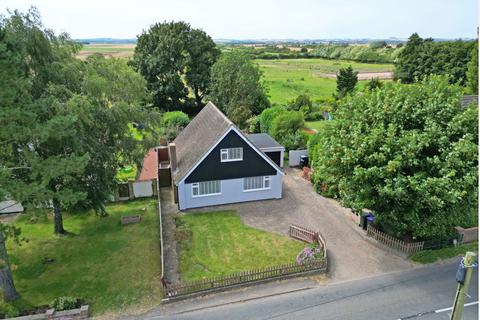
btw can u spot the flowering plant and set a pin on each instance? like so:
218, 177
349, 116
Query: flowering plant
309, 254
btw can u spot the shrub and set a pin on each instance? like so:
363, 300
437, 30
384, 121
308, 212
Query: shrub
301, 101
240, 116
268, 115
286, 129
64, 303
175, 118
253, 125
288, 122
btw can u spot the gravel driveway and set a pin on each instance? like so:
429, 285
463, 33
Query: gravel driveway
351, 256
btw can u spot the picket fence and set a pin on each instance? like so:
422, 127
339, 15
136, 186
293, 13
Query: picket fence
394, 243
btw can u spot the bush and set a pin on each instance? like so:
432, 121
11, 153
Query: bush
64, 303
286, 129
268, 115
301, 101
175, 118
293, 141
253, 125
240, 116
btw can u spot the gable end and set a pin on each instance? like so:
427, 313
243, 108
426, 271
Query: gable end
253, 163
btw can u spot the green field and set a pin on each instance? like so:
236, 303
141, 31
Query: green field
107, 265
288, 78
218, 243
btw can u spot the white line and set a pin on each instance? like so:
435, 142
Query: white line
448, 309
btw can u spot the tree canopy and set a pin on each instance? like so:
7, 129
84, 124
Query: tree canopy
346, 81
422, 57
236, 83
65, 125
472, 71
407, 152
175, 59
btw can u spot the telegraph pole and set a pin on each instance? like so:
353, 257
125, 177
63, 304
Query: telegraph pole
464, 274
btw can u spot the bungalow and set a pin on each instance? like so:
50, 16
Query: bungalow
212, 162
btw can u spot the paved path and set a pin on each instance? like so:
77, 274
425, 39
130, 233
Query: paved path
170, 244
423, 293
351, 255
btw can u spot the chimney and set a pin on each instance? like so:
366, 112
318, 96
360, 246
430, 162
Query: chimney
173, 156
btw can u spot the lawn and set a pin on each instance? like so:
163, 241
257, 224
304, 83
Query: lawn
429, 256
288, 78
218, 243
317, 125
109, 266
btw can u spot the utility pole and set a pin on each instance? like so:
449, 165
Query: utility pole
464, 274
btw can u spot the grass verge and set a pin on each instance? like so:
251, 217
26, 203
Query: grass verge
107, 265
218, 243
429, 256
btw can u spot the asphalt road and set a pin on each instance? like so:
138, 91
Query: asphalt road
420, 294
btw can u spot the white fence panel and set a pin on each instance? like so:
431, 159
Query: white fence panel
294, 157
142, 189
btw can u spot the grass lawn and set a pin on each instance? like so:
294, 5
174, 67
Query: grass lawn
429, 256
288, 78
109, 266
314, 124
218, 243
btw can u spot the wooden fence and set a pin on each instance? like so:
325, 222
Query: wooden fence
307, 235
256, 275
302, 233
281, 271
394, 243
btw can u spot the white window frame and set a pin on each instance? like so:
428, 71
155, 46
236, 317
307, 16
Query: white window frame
226, 153
265, 179
196, 185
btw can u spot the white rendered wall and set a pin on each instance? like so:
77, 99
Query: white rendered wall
231, 192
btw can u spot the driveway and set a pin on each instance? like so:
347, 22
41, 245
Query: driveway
351, 256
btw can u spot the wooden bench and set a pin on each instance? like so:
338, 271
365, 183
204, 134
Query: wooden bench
130, 219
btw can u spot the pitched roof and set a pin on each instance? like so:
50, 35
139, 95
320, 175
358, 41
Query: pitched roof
263, 140
198, 137
465, 101
149, 166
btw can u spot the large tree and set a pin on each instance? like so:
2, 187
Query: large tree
236, 83
472, 71
65, 124
422, 57
407, 152
175, 59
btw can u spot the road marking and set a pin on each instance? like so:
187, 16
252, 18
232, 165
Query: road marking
451, 308
418, 315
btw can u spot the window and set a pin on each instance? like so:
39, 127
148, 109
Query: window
256, 183
206, 188
231, 154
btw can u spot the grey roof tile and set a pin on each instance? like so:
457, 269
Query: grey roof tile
198, 137
263, 140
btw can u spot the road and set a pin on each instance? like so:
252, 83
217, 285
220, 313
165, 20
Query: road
422, 293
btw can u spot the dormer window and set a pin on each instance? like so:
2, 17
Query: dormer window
231, 154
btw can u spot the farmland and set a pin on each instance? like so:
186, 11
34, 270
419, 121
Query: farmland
107, 49
285, 78
288, 78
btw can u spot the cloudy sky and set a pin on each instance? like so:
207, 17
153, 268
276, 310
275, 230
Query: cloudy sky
248, 19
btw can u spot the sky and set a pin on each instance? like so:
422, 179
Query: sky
261, 19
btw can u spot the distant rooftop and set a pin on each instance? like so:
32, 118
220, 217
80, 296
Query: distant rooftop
465, 101
263, 140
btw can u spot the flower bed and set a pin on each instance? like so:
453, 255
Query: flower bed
310, 253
